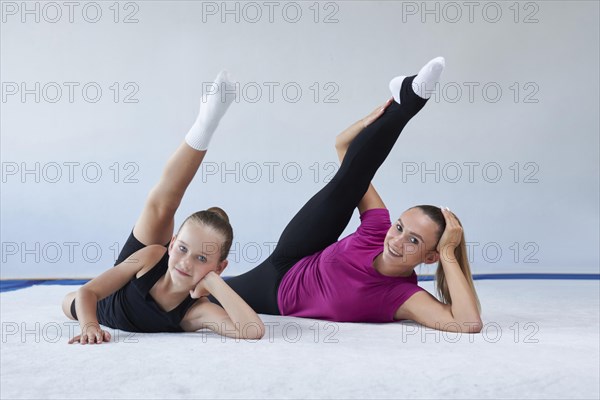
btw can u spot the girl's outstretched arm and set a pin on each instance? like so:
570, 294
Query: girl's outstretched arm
371, 199
87, 297
234, 319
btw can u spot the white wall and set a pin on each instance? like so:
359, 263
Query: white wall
546, 140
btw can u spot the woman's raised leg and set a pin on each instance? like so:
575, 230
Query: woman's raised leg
324, 217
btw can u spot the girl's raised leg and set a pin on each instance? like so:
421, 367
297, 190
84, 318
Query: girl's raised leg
156, 223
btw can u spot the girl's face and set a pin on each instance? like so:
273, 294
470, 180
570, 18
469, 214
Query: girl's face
411, 240
194, 252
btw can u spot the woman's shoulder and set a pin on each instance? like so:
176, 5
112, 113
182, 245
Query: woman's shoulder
374, 224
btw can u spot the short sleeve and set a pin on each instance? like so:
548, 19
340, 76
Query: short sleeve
374, 223
398, 296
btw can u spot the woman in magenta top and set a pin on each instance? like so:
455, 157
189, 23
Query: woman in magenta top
368, 276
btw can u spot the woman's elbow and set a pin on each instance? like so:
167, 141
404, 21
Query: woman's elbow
474, 326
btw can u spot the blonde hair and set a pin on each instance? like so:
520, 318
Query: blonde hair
218, 220
460, 252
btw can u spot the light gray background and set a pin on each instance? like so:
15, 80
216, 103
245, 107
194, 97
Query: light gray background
546, 221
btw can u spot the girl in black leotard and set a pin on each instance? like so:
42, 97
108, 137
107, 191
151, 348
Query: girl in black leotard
155, 287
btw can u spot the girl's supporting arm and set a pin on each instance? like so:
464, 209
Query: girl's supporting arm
104, 285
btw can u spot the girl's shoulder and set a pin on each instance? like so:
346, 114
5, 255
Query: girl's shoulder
150, 256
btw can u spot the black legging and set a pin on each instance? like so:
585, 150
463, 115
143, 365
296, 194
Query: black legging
324, 217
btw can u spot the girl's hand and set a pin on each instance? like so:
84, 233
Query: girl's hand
368, 120
91, 334
201, 289
452, 235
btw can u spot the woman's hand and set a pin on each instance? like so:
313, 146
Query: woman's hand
452, 235
343, 140
368, 120
91, 334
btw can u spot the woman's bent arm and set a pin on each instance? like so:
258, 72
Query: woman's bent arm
464, 305
463, 314
425, 309
464, 300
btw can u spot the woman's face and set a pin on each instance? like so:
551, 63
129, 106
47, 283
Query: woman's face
194, 252
411, 240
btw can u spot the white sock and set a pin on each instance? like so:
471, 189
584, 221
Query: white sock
395, 85
213, 106
424, 83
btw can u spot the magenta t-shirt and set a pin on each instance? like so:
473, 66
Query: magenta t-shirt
340, 284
